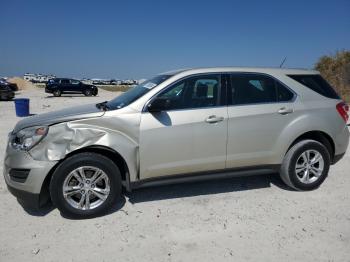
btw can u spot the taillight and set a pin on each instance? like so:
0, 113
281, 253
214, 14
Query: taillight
343, 110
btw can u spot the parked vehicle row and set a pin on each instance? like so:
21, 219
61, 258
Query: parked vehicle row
180, 126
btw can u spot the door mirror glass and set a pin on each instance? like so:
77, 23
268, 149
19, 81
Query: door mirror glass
159, 104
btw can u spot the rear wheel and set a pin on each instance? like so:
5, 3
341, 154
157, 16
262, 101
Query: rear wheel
306, 165
88, 92
85, 185
57, 93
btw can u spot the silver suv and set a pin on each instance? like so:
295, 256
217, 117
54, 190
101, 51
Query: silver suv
180, 126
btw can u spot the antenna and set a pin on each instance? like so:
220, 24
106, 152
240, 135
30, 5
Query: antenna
284, 60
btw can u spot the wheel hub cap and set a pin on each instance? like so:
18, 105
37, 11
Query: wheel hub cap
86, 188
309, 166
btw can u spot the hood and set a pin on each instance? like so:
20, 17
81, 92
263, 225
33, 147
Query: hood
69, 114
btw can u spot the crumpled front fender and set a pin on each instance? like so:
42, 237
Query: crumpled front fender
65, 138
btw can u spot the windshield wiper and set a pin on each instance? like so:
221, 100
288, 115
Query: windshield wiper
103, 106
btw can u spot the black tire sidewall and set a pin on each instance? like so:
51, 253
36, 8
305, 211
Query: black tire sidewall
57, 93
85, 159
88, 92
310, 145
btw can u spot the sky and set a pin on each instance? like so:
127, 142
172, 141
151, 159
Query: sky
138, 39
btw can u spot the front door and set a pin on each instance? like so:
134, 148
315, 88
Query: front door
191, 135
75, 86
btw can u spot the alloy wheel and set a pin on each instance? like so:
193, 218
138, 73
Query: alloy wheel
309, 166
86, 188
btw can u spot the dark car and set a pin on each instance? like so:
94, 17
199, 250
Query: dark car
12, 86
58, 86
6, 93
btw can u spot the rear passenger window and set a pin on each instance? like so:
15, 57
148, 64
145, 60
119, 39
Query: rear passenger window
256, 88
317, 84
65, 81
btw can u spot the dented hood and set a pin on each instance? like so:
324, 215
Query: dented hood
68, 114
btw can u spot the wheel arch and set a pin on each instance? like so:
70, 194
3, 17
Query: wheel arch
319, 136
103, 150
107, 152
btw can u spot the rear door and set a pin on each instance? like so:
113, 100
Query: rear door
191, 135
259, 108
64, 85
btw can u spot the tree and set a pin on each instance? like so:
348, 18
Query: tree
336, 70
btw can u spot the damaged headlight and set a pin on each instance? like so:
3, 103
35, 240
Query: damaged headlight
26, 138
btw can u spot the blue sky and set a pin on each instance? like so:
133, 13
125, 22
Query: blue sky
137, 39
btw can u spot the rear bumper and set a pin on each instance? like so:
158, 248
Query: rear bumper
7, 94
341, 141
336, 158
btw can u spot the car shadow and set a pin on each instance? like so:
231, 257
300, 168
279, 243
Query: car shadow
38, 212
182, 190
208, 187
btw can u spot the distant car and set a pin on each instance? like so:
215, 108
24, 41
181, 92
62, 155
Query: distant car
59, 86
6, 93
12, 86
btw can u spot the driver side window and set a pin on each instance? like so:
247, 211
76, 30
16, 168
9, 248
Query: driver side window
193, 92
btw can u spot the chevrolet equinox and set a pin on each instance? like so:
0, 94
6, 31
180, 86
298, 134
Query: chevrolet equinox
179, 126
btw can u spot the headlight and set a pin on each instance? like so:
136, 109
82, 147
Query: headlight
27, 138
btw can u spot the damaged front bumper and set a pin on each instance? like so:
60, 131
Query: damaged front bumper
25, 177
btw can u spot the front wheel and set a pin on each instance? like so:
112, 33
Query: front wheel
306, 165
57, 93
85, 185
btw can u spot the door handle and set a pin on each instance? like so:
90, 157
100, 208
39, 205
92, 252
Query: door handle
214, 119
285, 111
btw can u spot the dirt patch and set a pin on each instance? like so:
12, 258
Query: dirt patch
21, 83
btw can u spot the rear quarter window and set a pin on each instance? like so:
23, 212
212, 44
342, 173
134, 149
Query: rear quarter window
317, 84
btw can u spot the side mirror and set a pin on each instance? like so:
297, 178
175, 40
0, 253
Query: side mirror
159, 104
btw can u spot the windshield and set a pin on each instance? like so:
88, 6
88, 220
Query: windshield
136, 92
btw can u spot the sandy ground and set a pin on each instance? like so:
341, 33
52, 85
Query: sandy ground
242, 219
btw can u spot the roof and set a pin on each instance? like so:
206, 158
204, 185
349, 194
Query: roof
243, 69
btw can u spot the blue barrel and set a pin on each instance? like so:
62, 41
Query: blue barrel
22, 106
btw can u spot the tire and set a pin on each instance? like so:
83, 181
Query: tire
95, 92
57, 93
87, 92
300, 174
97, 206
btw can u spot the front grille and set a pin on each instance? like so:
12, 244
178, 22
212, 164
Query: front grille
19, 175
